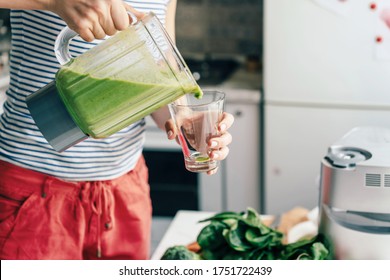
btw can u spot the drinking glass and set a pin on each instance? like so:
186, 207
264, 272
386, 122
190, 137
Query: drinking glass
196, 121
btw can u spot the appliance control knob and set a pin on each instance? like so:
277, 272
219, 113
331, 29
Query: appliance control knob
346, 157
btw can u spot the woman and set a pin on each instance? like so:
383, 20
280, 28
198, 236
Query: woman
91, 201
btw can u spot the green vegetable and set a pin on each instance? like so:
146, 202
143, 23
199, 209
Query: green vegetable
306, 249
180, 252
211, 236
232, 236
243, 236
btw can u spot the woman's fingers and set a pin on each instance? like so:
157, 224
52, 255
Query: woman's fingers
139, 15
106, 22
219, 154
86, 34
119, 15
170, 129
219, 149
94, 19
97, 29
220, 141
226, 122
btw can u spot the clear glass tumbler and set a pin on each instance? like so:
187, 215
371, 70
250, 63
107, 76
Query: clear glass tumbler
197, 121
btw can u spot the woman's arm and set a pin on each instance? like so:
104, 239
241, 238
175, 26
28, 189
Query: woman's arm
24, 5
170, 19
162, 115
92, 19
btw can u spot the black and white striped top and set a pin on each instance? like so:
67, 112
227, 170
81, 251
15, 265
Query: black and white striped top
33, 65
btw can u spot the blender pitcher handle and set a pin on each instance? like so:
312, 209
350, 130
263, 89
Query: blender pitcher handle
61, 46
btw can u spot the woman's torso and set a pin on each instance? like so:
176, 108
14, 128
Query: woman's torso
33, 65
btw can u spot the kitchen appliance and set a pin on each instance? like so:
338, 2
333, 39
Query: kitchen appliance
326, 70
112, 85
355, 195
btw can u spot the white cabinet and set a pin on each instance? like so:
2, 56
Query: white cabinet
242, 167
236, 186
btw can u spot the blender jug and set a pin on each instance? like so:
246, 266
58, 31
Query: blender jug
110, 86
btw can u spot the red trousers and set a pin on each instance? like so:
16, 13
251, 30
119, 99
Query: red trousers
42, 217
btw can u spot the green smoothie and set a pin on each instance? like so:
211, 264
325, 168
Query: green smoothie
101, 107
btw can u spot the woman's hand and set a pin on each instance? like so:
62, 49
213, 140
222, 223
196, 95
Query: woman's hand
218, 146
94, 19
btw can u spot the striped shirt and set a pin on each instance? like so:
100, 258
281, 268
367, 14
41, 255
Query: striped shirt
32, 65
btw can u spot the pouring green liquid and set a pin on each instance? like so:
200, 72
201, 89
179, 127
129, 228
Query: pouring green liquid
101, 107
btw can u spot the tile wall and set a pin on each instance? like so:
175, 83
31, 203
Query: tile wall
219, 27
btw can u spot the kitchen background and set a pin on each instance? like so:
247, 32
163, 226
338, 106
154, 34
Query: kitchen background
221, 42
298, 75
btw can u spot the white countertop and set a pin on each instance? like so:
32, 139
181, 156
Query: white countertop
183, 230
241, 87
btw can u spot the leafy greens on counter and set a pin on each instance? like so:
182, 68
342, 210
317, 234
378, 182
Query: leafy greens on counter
243, 236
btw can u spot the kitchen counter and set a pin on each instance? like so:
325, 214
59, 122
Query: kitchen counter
241, 87
243, 79
183, 230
